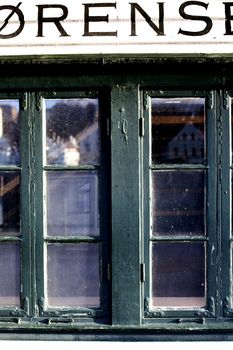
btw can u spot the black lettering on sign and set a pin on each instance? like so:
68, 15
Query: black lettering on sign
14, 10
229, 17
159, 30
205, 19
88, 19
55, 20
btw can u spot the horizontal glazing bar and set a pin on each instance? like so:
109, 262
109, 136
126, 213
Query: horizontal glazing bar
77, 239
70, 168
178, 167
8, 239
178, 238
9, 168
57, 95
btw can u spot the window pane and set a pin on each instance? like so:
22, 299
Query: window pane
73, 275
9, 132
72, 203
9, 274
178, 128
72, 131
178, 203
9, 204
178, 275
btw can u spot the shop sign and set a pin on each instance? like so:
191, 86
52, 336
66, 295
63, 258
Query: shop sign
105, 27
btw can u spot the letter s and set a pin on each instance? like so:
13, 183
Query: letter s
205, 19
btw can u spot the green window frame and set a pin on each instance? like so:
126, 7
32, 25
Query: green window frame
100, 240
22, 239
125, 207
218, 209
209, 171
33, 240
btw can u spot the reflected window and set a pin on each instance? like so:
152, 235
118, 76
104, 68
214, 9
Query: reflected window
9, 132
72, 131
72, 212
179, 275
10, 204
178, 124
178, 203
10, 274
73, 275
178, 206
72, 203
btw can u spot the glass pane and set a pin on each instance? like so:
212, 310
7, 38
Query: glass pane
178, 130
9, 204
9, 274
73, 275
72, 131
178, 275
178, 203
9, 132
72, 203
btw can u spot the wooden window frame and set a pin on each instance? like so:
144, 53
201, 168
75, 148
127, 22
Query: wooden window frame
195, 313
125, 140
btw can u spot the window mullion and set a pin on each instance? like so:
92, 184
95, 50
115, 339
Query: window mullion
26, 207
125, 207
211, 206
225, 199
38, 251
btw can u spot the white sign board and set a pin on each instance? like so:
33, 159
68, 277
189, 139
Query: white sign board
42, 27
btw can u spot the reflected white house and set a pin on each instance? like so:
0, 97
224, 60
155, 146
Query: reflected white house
83, 148
187, 143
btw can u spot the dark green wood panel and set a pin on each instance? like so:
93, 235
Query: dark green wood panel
125, 206
225, 207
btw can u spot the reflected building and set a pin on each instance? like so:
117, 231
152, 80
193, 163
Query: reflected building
9, 135
9, 155
187, 144
78, 143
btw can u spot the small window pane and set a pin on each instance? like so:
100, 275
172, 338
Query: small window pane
9, 204
72, 131
178, 275
72, 203
178, 128
9, 132
73, 275
178, 203
9, 274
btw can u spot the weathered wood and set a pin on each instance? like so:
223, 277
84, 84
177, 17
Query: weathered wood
125, 206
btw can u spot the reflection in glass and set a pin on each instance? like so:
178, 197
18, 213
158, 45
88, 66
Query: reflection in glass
9, 204
178, 128
9, 274
73, 275
9, 132
178, 275
72, 131
178, 202
72, 203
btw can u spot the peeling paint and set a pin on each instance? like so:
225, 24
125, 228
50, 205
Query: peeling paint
123, 126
